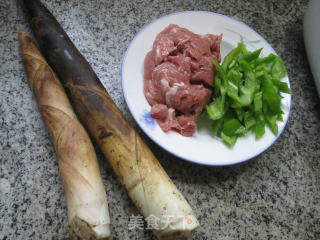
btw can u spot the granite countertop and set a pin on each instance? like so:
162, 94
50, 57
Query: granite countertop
274, 196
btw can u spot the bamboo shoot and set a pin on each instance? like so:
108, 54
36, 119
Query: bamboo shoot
148, 185
88, 212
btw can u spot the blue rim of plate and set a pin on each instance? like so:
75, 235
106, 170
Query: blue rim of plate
151, 136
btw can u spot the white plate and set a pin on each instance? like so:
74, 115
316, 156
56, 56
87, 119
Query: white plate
202, 147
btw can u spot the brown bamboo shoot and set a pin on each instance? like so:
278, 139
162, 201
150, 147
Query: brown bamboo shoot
137, 168
80, 175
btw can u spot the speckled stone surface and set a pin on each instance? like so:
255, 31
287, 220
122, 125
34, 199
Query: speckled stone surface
274, 196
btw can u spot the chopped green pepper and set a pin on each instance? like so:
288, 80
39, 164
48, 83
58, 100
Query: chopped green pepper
260, 126
252, 55
232, 55
233, 127
216, 126
249, 120
229, 140
257, 102
216, 110
272, 123
271, 95
268, 59
247, 94
278, 71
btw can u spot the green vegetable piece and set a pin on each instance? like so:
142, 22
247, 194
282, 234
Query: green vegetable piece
231, 56
261, 69
217, 85
245, 98
240, 113
247, 90
217, 126
258, 84
235, 76
259, 74
233, 127
249, 120
282, 86
251, 56
233, 91
221, 73
233, 63
260, 126
247, 94
266, 60
280, 118
278, 70
271, 95
248, 74
230, 141
257, 102
216, 109
272, 123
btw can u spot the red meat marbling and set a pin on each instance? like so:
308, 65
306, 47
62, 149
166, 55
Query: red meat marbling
178, 77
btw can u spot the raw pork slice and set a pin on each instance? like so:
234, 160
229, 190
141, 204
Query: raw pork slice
178, 77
